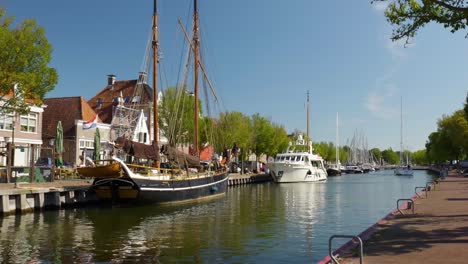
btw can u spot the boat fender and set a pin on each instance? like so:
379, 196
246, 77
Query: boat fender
214, 188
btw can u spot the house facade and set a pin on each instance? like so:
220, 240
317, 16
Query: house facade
77, 141
129, 94
24, 132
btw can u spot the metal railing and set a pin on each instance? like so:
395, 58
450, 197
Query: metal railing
416, 191
429, 184
410, 204
330, 253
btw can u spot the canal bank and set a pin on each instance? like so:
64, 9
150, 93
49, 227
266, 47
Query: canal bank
436, 232
28, 197
252, 223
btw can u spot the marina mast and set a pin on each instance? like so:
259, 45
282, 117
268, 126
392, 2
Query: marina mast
155, 46
307, 138
195, 66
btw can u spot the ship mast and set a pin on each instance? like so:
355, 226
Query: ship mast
195, 66
337, 150
401, 130
155, 46
307, 138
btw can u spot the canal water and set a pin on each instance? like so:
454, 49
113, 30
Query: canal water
257, 223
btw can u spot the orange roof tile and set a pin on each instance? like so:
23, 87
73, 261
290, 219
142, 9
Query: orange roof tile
67, 110
109, 93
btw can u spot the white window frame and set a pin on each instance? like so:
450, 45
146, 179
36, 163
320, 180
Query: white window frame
3, 121
31, 122
86, 144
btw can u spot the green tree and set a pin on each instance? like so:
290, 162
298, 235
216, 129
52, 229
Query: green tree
450, 142
377, 153
24, 57
280, 141
331, 152
465, 108
176, 114
455, 129
344, 154
409, 16
435, 147
263, 135
420, 157
207, 131
390, 156
322, 149
234, 128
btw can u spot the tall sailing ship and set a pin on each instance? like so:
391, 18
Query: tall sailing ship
173, 175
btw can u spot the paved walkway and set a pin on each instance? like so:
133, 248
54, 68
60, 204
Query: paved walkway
56, 184
437, 233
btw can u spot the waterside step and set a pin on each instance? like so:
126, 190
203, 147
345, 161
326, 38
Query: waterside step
239, 179
27, 199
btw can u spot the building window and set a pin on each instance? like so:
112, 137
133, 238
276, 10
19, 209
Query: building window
6, 121
87, 144
142, 137
29, 122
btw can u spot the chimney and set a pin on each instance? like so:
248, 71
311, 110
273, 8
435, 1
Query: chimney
111, 80
141, 77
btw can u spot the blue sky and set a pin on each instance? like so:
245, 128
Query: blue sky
264, 55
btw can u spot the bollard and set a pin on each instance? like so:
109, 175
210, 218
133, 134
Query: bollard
16, 179
409, 206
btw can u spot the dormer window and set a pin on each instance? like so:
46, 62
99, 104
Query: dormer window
142, 137
136, 99
99, 103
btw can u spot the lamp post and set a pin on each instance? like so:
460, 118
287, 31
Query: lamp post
52, 171
8, 159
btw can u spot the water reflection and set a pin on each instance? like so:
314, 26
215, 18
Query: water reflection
251, 224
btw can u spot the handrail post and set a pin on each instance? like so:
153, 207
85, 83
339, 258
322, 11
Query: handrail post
409, 202
361, 247
429, 184
416, 190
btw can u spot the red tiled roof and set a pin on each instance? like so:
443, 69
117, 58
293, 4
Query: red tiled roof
109, 93
67, 110
11, 94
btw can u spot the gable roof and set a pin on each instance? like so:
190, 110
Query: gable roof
67, 110
11, 94
107, 98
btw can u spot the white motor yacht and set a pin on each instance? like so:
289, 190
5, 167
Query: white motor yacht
298, 164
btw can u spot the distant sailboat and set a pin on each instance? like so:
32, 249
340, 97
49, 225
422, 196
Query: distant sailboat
334, 169
403, 169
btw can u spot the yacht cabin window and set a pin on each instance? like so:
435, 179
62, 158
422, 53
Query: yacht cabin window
316, 163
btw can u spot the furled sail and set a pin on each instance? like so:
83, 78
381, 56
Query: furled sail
180, 157
138, 150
